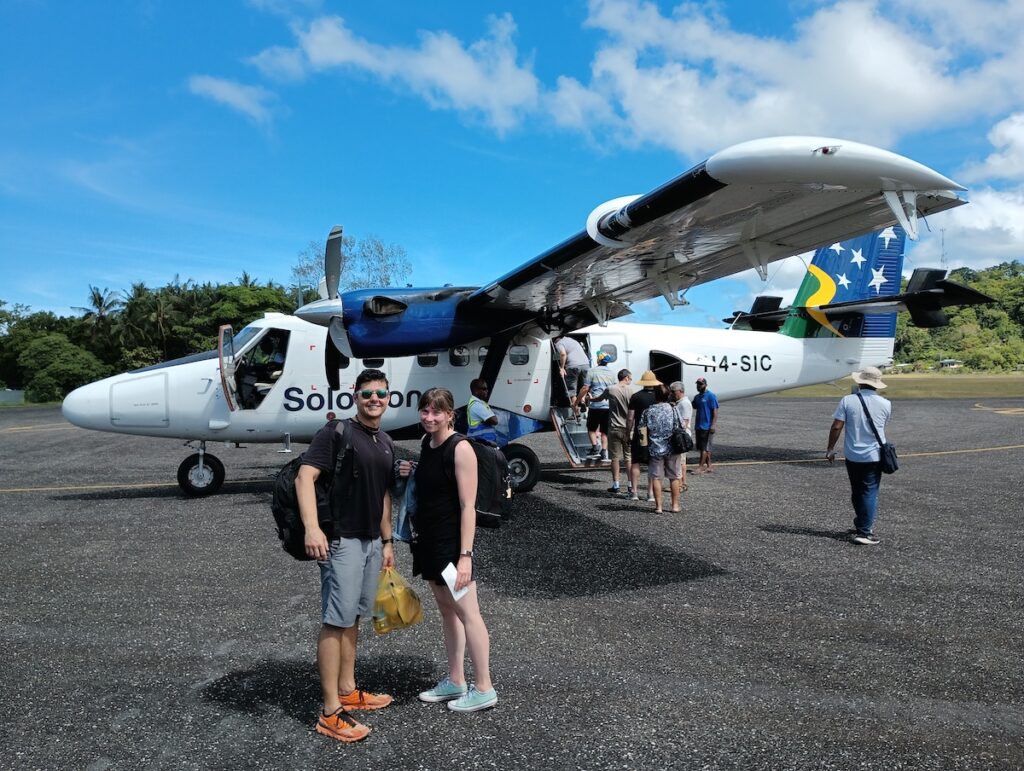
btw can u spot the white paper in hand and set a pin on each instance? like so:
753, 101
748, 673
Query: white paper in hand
449, 574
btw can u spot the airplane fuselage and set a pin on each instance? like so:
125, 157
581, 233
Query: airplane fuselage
187, 400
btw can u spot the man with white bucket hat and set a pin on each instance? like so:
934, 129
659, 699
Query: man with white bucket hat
861, 450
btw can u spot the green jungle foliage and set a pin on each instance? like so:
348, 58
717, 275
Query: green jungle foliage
49, 355
984, 337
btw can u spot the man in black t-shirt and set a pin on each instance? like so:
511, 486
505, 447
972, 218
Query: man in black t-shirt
351, 556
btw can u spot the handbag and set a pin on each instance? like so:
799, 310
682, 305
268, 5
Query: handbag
887, 457
680, 442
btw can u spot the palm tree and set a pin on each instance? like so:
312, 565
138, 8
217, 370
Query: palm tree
103, 306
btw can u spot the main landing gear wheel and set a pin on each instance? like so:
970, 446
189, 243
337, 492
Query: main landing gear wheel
201, 478
523, 467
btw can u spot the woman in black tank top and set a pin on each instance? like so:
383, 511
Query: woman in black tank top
446, 480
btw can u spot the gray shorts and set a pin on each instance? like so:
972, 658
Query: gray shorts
348, 580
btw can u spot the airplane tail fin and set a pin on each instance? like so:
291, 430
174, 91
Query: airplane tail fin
862, 268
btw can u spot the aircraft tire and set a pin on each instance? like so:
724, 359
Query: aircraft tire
196, 482
523, 467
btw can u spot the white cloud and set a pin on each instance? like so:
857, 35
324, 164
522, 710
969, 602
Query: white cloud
689, 82
1007, 162
280, 63
483, 78
248, 100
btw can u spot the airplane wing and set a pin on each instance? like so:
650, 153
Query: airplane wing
745, 207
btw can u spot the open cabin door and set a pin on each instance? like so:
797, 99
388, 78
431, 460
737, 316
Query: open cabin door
226, 355
666, 367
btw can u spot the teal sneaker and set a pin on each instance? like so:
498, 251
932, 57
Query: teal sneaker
474, 700
445, 690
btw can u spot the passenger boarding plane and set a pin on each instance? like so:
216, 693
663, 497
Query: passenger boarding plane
282, 377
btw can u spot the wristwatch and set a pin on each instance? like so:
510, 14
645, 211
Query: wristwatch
467, 553
386, 541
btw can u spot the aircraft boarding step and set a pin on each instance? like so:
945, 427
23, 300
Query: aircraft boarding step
572, 435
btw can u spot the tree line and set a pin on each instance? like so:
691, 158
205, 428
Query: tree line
49, 355
986, 338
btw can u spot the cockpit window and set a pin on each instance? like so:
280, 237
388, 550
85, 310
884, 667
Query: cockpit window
245, 336
260, 367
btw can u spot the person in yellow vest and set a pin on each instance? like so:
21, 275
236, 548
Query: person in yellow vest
479, 416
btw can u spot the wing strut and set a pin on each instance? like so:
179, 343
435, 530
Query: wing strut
759, 254
670, 285
600, 307
905, 211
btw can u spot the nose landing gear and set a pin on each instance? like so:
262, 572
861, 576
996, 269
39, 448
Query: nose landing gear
201, 474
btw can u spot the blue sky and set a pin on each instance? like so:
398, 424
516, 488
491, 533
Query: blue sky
144, 140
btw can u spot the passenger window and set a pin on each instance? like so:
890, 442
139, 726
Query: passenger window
519, 354
373, 363
482, 354
459, 356
611, 350
427, 359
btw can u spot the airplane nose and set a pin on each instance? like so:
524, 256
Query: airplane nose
88, 406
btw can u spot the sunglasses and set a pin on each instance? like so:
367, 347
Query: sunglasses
366, 393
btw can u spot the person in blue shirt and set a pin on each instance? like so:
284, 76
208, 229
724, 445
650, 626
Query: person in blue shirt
479, 416
861, 450
705, 410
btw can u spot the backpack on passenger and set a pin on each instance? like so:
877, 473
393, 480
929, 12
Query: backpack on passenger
494, 484
284, 502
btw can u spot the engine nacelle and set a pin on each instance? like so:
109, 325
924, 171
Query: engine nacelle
609, 221
403, 322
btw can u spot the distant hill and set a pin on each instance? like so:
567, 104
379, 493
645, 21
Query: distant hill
987, 338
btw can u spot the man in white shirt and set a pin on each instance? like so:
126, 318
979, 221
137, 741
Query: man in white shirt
861, 450
677, 395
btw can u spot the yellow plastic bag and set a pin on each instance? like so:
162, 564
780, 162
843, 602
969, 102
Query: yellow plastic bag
397, 605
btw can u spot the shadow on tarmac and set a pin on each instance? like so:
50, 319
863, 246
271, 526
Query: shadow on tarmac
293, 686
554, 553
246, 487
835, 535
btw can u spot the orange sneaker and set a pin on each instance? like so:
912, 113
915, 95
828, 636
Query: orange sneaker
341, 726
362, 700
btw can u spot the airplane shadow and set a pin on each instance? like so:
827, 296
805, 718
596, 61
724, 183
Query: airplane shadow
293, 686
241, 487
549, 552
814, 532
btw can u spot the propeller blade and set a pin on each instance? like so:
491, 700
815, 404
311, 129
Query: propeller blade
332, 262
339, 337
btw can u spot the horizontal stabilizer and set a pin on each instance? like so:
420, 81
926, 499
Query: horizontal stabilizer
930, 294
764, 316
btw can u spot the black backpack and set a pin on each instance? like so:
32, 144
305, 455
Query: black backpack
284, 502
494, 485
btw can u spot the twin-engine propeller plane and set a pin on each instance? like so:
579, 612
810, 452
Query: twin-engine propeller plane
282, 377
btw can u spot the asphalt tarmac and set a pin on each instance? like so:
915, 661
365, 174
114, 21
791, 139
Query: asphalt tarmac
141, 628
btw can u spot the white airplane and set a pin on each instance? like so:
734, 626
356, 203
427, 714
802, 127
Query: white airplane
282, 377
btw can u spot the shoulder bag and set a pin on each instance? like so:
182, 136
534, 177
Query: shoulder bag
680, 441
887, 457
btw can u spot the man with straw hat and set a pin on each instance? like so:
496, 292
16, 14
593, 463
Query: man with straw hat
860, 448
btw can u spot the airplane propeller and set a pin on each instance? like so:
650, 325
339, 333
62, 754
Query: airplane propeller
332, 262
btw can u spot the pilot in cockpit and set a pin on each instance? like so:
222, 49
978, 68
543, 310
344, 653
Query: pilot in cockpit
262, 368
